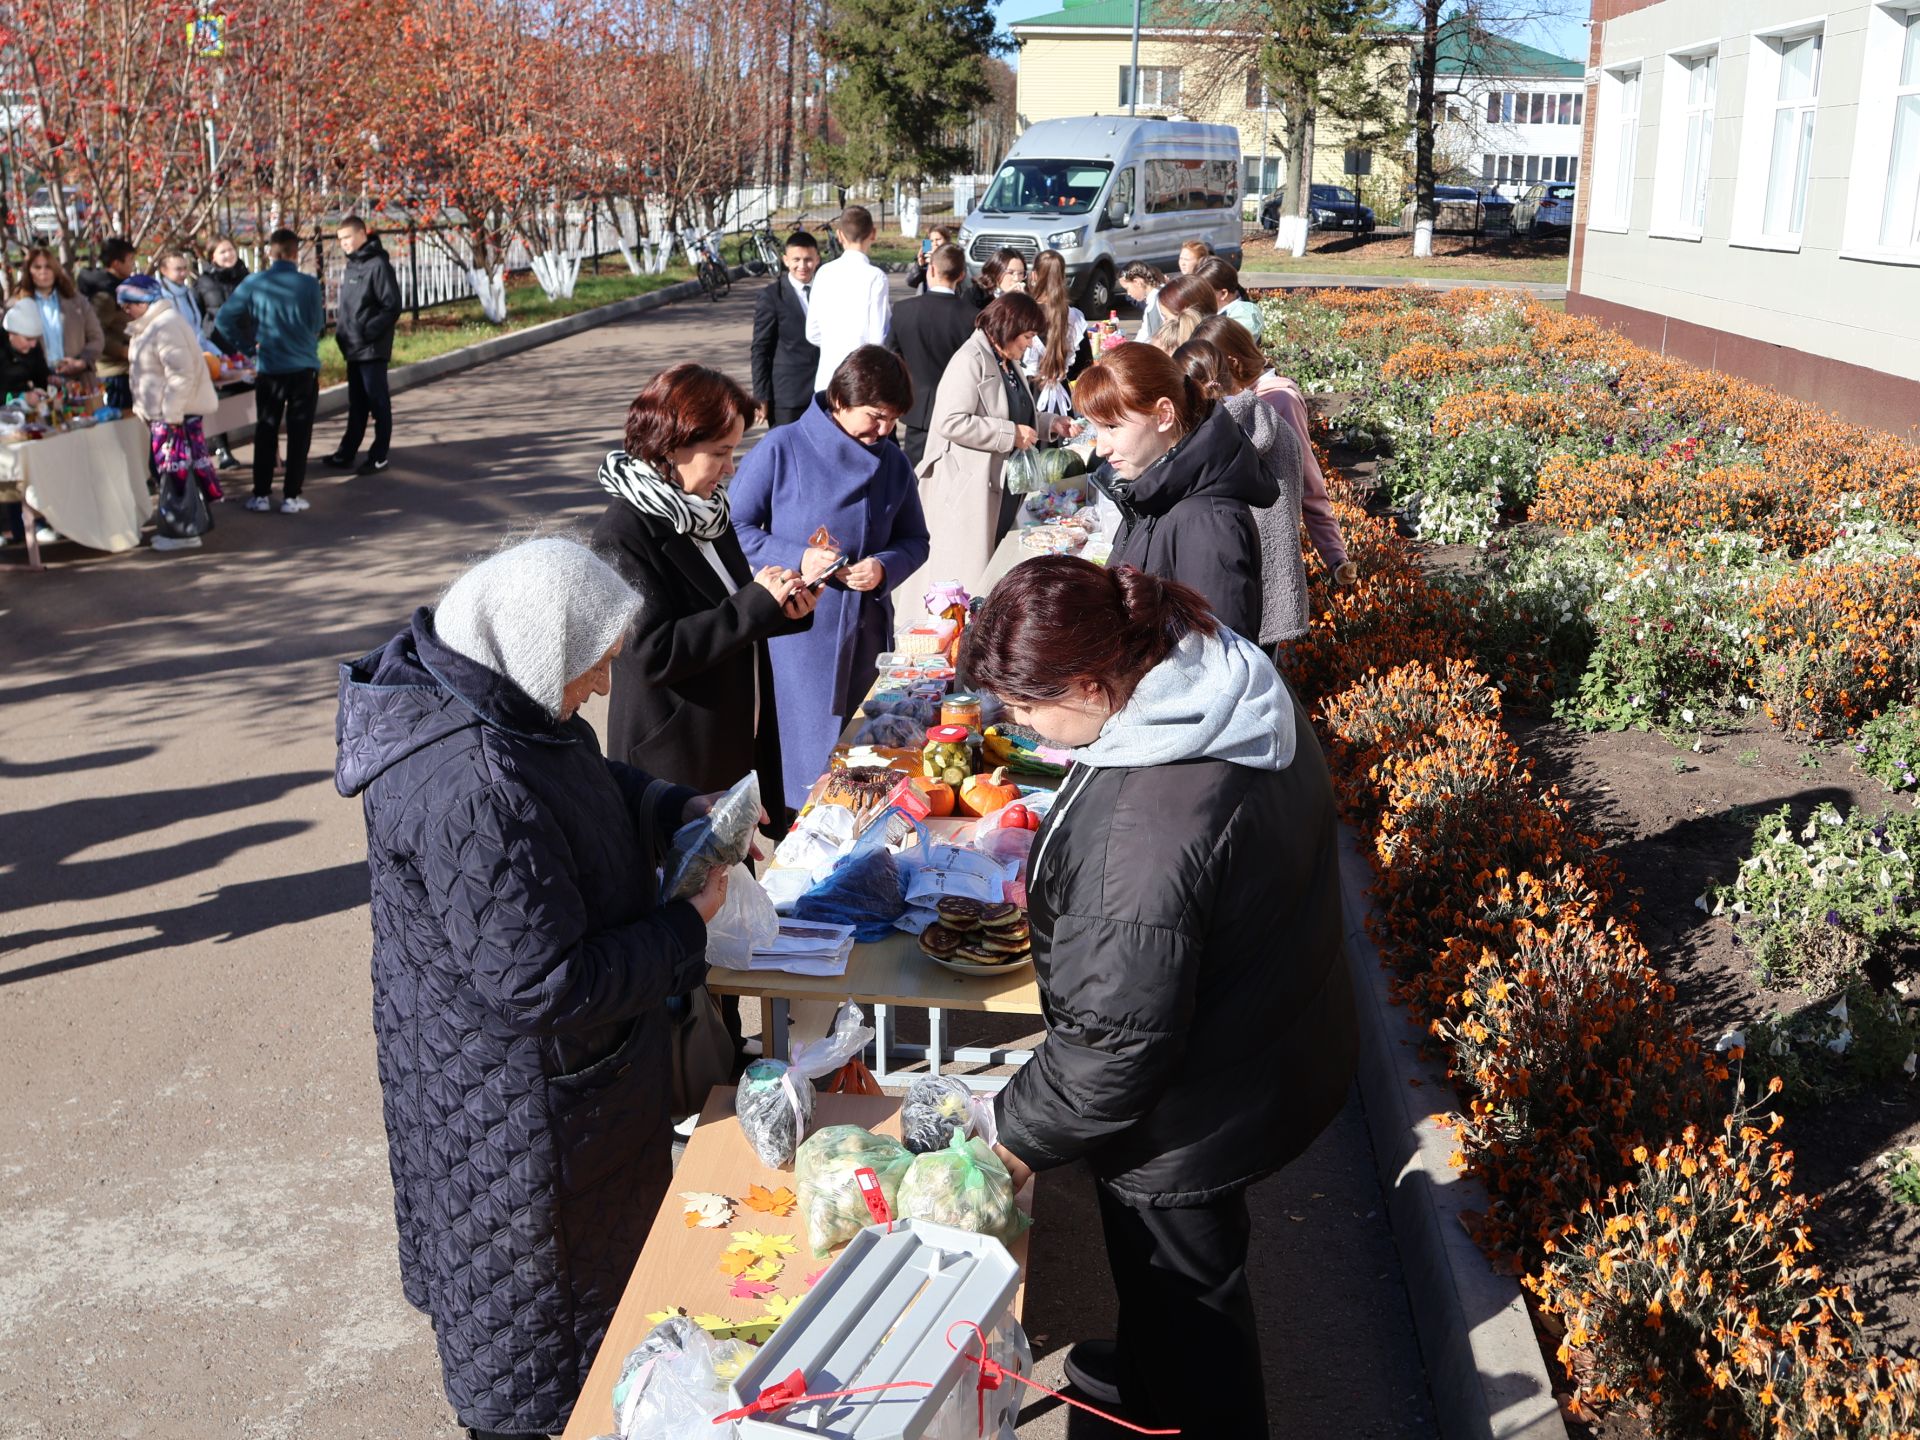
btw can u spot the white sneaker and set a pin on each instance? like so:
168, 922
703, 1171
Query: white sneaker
47, 535
294, 505
259, 504
183, 542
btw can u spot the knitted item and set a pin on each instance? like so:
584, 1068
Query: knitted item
540, 613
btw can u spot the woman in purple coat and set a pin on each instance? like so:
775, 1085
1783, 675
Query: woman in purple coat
836, 468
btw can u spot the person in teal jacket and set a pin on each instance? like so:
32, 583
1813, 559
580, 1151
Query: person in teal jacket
284, 311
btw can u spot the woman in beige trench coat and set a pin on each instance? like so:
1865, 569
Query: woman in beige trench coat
982, 412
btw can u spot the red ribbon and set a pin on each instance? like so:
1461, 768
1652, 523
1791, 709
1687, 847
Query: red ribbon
993, 1374
793, 1390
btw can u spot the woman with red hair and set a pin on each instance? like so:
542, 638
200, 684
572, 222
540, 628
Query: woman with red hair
1184, 476
693, 692
1184, 898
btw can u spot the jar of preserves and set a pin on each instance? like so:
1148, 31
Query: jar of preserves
958, 709
947, 757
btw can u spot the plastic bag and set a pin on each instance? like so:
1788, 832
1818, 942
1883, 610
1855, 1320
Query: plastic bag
746, 923
723, 836
775, 1098
966, 1186
830, 1199
863, 890
675, 1381
818, 838
937, 1108
896, 732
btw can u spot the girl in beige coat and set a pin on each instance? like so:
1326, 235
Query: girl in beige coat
172, 391
982, 413
74, 339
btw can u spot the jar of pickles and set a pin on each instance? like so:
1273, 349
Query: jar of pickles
964, 710
947, 756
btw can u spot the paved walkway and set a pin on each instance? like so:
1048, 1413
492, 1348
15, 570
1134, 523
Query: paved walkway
199, 1233
1294, 280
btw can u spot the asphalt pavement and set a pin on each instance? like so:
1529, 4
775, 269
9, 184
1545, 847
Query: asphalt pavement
198, 1231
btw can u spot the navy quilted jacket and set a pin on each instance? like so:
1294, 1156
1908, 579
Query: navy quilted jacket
520, 966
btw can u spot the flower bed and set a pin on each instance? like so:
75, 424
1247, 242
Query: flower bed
1705, 527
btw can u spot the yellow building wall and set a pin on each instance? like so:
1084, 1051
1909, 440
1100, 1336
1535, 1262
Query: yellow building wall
1065, 75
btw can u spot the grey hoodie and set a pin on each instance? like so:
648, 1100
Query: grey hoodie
1216, 696
1283, 575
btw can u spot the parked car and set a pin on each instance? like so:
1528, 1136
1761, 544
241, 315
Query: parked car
1462, 210
1329, 207
43, 219
1545, 208
1106, 191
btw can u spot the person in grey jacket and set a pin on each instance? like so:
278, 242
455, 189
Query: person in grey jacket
1283, 575
364, 319
285, 311
1184, 903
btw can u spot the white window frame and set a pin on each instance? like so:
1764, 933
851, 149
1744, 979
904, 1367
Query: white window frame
1681, 212
1754, 164
1616, 146
1873, 138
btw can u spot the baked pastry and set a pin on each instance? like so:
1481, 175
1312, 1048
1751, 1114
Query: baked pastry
862, 789
959, 914
996, 917
939, 942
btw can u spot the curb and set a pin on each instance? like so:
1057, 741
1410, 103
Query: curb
1484, 1368
1292, 280
333, 399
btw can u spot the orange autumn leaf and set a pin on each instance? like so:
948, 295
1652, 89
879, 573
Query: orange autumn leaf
770, 1202
736, 1260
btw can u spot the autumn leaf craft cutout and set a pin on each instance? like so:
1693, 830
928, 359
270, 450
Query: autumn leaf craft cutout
770, 1202
745, 1289
707, 1211
767, 1247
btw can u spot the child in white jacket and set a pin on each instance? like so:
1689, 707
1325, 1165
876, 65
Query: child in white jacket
172, 391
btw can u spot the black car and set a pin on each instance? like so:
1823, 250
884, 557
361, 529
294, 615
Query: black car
1329, 207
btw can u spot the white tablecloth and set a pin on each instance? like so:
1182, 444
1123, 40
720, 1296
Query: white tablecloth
236, 412
91, 485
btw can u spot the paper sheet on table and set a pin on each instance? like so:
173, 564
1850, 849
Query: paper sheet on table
807, 947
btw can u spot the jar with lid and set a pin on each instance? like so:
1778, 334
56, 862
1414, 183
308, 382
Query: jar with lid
961, 709
947, 756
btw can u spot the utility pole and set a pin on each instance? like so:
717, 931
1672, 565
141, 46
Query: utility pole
1133, 71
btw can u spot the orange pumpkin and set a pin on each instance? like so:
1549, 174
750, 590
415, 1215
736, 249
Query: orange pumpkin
984, 794
939, 795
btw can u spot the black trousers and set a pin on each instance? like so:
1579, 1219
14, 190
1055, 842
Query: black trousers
1189, 1351
914, 441
293, 395
786, 414
367, 395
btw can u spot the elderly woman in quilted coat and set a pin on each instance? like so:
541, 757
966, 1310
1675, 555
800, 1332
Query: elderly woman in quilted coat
520, 966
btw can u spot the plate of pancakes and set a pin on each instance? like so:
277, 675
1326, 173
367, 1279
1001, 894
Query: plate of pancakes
975, 937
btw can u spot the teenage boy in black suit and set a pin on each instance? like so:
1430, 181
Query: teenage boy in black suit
927, 332
783, 358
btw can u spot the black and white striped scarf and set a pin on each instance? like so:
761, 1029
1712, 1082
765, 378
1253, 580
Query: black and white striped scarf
654, 495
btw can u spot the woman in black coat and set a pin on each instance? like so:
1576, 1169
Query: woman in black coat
1184, 901
693, 692
1185, 478
521, 965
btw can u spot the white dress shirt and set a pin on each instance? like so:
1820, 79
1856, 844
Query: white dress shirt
853, 310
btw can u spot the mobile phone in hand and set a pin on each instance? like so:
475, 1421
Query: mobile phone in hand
840, 562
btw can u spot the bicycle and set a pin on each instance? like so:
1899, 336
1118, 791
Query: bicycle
709, 267
822, 231
758, 252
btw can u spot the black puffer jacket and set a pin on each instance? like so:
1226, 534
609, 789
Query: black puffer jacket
1187, 940
519, 970
213, 287
1189, 518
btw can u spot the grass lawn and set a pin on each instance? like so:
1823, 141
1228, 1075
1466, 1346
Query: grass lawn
1542, 261
451, 327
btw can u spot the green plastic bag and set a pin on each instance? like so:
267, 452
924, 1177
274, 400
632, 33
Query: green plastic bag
830, 1199
965, 1186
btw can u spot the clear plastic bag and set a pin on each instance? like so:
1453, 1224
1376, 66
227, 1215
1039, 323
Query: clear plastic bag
966, 1186
675, 1381
746, 922
830, 1199
937, 1108
775, 1099
863, 890
721, 837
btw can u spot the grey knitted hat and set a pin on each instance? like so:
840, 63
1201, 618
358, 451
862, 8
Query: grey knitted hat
541, 613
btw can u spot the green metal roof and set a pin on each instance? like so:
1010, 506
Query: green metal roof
1459, 52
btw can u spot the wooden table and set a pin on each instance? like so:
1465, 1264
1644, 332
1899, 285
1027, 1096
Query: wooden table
90, 485
679, 1267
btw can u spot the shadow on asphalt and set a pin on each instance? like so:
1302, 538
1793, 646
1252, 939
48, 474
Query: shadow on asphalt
232, 912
